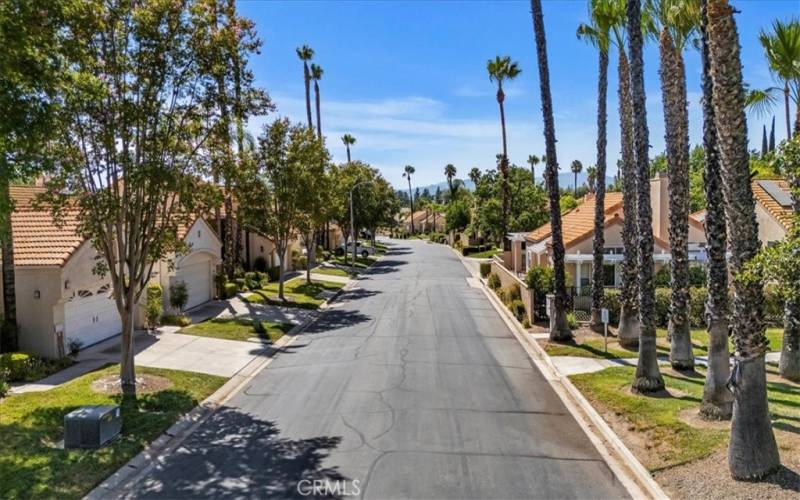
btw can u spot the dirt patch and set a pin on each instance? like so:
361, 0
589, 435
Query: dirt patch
145, 384
646, 448
691, 417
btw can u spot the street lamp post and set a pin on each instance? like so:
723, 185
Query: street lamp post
352, 222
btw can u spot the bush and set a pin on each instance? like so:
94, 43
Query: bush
178, 295
662, 307
541, 280
697, 276
572, 321
611, 302
300, 262
773, 306
230, 290
697, 307
153, 308
16, 364
663, 278
526, 323
493, 281
264, 283
4, 386
517, 308
274, 273
241, 284
486, 268
251, 281
261, 276
176, 320
512, 292
502, 295
260, 264
220, 280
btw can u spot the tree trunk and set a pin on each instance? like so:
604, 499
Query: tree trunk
411, 201
9, 341
790, 352
504, 172
281, 271
230, 236
717, 399
127, 369
753, 452
648, 377
676, 125
786, 108
348, 152
307, 82
598, 243
560, 330
629, 328
319, 120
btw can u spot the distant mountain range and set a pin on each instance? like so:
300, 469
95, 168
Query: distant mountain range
565, 181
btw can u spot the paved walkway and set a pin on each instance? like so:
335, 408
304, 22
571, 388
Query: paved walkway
573, 365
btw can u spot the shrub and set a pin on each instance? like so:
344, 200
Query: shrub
572, 321
4, 386
541, 280
663, 277
260, 264
230, 290
486, 268
697, 307
662, 307
513, 292
517, 308
176, 320
493, 281
261, 276
502, 295
251, 281
258, 327
16, 364
773, 305
74, 346
220, 280
697, 276
300, 262
526, 323
611, 302
153, 308
274, 273
241, 284
178, 295
264, 283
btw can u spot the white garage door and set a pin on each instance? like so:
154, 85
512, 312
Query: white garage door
91, 319
197, 277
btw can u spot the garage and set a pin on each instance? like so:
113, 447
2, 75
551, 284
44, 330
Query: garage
197, 276
91, 318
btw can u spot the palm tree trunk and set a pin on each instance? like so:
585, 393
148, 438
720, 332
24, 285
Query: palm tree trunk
8, 333
316, 102
648, 377
629, 329
753, 452
411, 200
348, 152
598, 243
676, 125
789, 364
786, 109
717, 399
559, 329
307, 83
504, 172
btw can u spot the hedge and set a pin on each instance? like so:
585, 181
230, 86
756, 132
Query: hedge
486, 268
493, 281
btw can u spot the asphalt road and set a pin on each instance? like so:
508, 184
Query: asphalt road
410, 387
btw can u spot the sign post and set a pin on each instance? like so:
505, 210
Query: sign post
604, 314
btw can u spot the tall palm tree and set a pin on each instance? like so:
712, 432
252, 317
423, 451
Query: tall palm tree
717, 399
450, 173
503, 69
475, 175
591, 180
782, 48
348, 141
316, 75
629, 328
752, 452
576, 167
306, 53
559, 328
648, 377
408, 171
533, 160
674, 22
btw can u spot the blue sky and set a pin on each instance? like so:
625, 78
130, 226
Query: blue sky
408, 79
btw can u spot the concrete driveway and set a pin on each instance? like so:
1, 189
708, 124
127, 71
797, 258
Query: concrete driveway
411, 387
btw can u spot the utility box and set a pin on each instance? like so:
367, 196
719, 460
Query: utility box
91, 426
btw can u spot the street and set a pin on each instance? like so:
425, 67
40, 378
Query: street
410, 386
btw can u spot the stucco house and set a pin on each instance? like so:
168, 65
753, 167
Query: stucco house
425, 221
59, 297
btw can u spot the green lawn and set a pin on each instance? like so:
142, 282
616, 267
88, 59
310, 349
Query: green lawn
593, 347
654, 421
236, 329
331, 271
486, 254
298, 293
361, 263
31, 424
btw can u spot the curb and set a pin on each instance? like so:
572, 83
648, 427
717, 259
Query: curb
626, 467
176, 434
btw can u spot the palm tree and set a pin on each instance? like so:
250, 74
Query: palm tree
316, 75
501, 69
348, 141
559, 329
752, 452
674, 22
8, 327
408, 171
648, 377
533, 160
306, 53
450, 173
782, 48
717, 399
475, 175
629, 328
591, 179
576, 168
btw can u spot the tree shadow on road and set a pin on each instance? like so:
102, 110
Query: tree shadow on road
234, 454
336, 318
